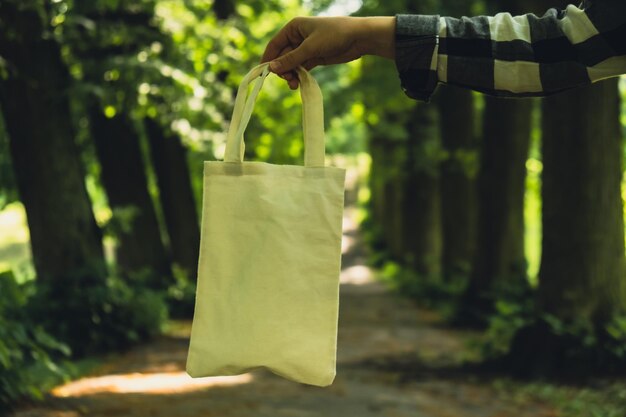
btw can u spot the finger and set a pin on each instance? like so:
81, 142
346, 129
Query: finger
275, 46
312, 63
291, 75
288, 76
291, 60
288, 35
338, 59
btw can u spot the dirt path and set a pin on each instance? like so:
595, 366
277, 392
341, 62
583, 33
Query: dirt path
388, 355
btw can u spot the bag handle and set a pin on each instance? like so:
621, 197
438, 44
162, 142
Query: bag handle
312, 116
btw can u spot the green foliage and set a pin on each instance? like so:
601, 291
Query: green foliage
580, 345
8, 190
121, 222
514, 309
599, 399
430, 292
24, 345
605, 342
465, 161
181, 295
93, 315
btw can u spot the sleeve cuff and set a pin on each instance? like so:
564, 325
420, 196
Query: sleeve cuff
417, 40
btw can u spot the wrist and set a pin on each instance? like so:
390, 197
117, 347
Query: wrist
376, 36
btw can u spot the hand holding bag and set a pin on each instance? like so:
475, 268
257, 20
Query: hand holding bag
270, 255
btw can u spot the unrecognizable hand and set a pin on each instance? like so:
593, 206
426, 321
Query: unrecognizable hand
313, 41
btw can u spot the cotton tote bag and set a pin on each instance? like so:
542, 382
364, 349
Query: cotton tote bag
270, 255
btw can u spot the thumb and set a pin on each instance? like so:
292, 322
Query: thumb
290, 60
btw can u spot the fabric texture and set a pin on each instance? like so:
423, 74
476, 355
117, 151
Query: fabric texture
270, 255
505, 55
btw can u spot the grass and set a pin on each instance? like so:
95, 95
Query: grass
594, 399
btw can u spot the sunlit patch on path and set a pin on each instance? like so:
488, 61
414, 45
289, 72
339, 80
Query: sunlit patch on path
159, 383
356, 275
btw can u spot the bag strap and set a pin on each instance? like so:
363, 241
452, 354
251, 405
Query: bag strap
312, 116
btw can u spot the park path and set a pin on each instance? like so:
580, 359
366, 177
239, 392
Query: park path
391, 362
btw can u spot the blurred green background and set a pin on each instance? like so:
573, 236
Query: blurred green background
501, 216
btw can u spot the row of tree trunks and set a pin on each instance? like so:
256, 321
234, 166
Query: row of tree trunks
141, 251
65, 238
405, 203
405, 185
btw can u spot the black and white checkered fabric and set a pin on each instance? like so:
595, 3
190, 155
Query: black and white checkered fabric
506, 55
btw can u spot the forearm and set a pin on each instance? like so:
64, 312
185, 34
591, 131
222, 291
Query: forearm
512, 56
376, 36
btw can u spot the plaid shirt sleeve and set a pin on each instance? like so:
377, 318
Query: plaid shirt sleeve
506, 55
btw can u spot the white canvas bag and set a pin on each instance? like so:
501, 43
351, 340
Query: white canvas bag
270, 255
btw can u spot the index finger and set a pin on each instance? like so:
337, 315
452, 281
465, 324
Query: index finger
279, 42
285, 37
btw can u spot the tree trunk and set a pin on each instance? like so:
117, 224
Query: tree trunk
395, 221
387, 190
500, 260
64, 236
458, 183
581, 279
376, 180
582, 265
405, 164
140, 249
223, 9
421, 193
169, 158
458, 188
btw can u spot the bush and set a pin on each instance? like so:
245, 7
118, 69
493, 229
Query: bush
532, 344
181, 295
42, 322
23, 345
431, 292
95, 315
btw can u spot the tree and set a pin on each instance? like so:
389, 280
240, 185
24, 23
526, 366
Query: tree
112, 76
582, 289
421, 210
65, 238
223, 9
499, 262
458, 185
140, 248
169, 158
8, 189
406, 152
582, 264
